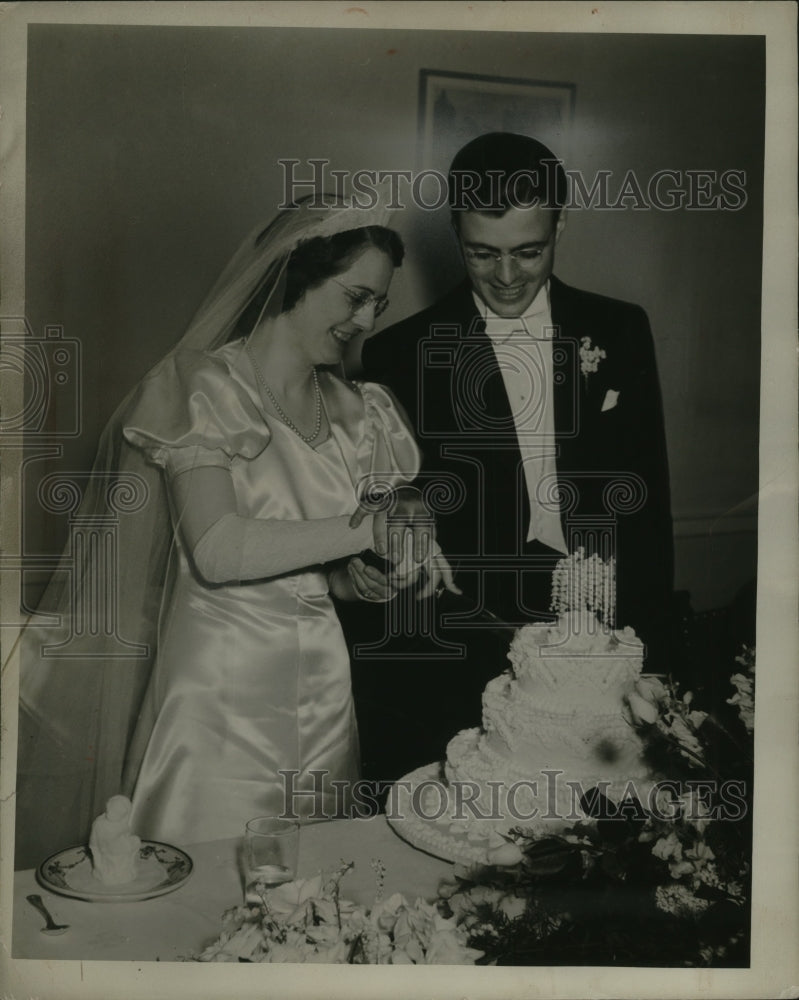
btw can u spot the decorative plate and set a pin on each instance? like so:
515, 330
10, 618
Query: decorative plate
162, 869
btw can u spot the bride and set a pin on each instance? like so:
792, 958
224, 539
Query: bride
265, 460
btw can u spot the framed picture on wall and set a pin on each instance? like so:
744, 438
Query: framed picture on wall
456, 107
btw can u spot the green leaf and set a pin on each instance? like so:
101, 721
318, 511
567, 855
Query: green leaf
545, 857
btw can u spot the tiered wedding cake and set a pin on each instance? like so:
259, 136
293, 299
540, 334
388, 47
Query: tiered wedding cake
554, 727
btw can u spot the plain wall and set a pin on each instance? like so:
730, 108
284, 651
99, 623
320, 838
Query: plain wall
151, 152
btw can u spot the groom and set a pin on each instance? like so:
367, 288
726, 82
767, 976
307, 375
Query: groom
537, 407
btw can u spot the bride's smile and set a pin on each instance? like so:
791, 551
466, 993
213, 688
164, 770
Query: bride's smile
328, 316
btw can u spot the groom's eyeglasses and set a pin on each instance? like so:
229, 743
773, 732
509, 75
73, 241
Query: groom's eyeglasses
483, 259
360, 300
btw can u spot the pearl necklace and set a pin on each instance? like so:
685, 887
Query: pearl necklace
307, 438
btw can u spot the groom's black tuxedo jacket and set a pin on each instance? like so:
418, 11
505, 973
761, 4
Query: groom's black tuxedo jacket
612, 467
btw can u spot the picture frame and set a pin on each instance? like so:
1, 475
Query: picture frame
456, 107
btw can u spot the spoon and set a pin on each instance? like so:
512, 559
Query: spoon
51, 927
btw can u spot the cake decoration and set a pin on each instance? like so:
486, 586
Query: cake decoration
114, 848
555, 726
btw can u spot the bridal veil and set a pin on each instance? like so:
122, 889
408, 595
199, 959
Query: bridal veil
86, 656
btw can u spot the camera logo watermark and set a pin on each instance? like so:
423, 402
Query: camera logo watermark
49, 371
43, 397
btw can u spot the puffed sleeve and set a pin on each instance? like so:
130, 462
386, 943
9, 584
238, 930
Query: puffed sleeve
190, 412
389, 455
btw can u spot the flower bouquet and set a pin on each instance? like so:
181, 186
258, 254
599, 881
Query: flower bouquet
665, 882
308, 921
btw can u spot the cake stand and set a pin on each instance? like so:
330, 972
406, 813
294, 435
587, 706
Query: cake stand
417, 810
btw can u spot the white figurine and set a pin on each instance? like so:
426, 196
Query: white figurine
115, 850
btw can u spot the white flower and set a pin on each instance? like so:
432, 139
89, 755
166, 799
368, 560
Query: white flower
306, 921
399, 957
465, 905
642, 711
386, 914
448, 948
324, 910
295, 951
668, 848
513, 906
692, 862
246, 942
506, 853
708, 875
646, 699
744, 698
735, 890
325, 934
694, 811
289, 900
690, 747
696, 718
652, 688
335, 955
666, 805
679, 900
242, 941
747, 658
589, 356
700, 854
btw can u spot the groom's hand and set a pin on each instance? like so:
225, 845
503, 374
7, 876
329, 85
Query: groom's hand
404, 532
411, 527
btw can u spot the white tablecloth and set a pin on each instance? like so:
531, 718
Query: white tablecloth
178, 925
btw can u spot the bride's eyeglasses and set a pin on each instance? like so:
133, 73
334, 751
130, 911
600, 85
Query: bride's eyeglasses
360, 300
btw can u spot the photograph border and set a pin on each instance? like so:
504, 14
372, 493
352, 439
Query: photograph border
775, 967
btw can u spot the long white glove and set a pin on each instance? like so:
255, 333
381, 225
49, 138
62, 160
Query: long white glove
228, 548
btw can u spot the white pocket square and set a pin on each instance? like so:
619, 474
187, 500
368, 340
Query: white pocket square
611, 398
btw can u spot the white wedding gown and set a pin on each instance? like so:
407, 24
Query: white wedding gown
253, 678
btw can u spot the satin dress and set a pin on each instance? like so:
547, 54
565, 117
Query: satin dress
253, 679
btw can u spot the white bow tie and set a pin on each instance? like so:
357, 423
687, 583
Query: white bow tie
499, 328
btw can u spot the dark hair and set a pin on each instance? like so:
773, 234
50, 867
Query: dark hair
313, 262
323, 257
502, 170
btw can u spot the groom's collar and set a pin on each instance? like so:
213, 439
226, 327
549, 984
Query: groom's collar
538, 307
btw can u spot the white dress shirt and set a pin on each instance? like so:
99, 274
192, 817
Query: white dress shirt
523, 349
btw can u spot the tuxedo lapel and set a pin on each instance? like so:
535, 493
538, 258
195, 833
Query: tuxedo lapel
481, 399
485, 429
567, 388
571, 402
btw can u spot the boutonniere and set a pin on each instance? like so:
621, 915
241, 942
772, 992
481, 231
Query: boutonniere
589, 357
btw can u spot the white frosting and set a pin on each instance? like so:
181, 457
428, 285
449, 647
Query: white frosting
557, 719
576, 664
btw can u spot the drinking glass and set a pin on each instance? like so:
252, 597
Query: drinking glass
271, 849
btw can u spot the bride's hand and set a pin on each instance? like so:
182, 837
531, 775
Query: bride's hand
403, 532
368, 582
404, 535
